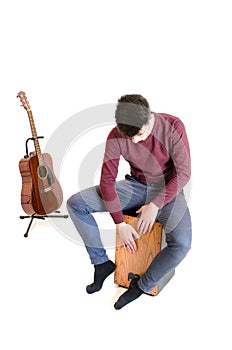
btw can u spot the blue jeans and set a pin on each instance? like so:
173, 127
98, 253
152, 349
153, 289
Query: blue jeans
174, 217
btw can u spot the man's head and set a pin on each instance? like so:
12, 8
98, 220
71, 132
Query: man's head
132, 113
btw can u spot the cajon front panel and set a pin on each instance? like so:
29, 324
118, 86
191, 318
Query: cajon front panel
148, 246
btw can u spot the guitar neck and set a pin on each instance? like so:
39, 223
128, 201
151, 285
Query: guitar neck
34, 135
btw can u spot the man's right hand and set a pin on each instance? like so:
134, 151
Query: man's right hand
127, 234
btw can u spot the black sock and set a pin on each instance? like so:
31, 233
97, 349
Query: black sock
131, 294
101, 272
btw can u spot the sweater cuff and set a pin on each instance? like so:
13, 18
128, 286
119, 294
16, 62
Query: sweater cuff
159, 201
117, 217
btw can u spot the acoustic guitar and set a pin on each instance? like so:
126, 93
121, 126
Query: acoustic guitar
41, 192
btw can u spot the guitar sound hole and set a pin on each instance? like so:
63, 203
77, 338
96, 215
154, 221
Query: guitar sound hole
42, 171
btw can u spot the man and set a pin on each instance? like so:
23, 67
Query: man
156, 147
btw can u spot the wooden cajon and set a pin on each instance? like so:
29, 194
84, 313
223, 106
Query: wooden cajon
148, 246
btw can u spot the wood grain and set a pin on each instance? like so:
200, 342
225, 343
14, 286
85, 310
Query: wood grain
148, 246
26, 191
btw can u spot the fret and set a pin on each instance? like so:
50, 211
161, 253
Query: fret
34, 135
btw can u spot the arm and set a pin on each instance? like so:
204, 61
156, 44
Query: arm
180, 154
109, 173
107, 185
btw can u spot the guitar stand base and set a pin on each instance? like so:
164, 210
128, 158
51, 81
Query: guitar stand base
41, 217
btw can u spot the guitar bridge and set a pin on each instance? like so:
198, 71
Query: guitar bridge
45, 190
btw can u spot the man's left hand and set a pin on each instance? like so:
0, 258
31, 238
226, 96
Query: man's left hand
147, 218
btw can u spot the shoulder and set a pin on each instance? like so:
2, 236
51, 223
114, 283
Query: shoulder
114, 134
112, 145
166, 118
168, 122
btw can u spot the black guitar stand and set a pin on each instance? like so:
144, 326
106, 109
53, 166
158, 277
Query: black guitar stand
35, 216
26, 144
41, 217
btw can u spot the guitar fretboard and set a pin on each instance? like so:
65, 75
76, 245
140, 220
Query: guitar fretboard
34, 135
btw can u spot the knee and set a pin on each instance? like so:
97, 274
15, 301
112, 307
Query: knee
74, 202
184, 248
180, 244
77, 203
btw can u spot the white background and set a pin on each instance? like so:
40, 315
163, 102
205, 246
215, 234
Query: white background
72, 55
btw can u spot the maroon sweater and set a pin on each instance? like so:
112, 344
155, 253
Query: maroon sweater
163, 160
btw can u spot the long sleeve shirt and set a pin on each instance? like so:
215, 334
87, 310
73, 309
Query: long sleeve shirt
162, 160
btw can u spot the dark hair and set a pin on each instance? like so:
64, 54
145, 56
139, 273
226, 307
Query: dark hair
132, 112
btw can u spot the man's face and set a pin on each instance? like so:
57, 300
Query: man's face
142, 135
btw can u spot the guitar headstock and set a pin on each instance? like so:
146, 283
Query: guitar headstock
23, 99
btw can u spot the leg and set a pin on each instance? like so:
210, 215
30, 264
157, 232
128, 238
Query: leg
29, 226
176, 221
82, 205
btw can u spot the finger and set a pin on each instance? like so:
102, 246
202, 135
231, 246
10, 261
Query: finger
139, 210
142, 228
135, 234
145, 228
127, 246
139, 224
131, 246
148, 229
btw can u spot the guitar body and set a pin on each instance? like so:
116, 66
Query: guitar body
41, 192
47, 194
